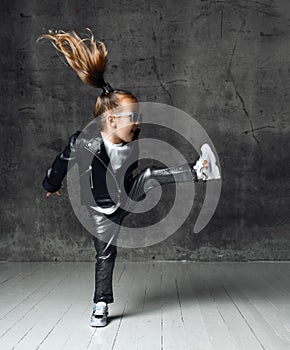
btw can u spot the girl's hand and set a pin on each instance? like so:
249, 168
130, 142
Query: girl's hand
48, 194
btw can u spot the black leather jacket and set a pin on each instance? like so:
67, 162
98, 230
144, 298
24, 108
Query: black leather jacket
98, 183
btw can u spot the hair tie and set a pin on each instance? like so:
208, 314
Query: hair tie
107, 88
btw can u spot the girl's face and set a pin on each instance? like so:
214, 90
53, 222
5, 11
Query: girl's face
122, 128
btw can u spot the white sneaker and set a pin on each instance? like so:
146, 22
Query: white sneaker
206, 167
99, 315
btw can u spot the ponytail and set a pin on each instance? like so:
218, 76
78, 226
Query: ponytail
90, 63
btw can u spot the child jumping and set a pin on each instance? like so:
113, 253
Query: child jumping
112, 162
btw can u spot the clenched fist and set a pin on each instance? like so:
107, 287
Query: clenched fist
48, 194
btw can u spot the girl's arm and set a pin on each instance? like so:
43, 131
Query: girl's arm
54, 175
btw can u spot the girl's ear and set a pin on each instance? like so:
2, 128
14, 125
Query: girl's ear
111, 120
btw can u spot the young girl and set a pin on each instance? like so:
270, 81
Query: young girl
107, 176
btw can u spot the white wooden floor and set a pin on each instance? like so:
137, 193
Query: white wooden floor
158, 305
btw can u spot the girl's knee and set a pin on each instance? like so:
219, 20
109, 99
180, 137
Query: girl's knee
106, 256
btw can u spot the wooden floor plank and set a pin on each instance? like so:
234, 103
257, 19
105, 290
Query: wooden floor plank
219, 334
267, 300
78, 302
283, 267
149, 315
16, 303
9, 266
196, 333
231, 316
50, 311
140, 313
239, 288
275, 279
15, 273
279, 289
158, 305
174, 333
21, 324
24, 288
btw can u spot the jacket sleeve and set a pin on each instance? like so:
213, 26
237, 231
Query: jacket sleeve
54, 175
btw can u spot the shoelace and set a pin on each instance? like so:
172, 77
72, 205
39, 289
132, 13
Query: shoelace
100, 311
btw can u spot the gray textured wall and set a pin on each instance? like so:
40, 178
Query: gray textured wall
226, 63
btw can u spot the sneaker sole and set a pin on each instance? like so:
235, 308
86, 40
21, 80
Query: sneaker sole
214, 171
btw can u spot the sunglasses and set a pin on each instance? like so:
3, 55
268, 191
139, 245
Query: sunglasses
135, 116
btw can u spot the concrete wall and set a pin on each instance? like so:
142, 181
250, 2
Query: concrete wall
226, 63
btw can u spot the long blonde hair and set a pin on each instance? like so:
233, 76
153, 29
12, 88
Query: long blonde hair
90, 63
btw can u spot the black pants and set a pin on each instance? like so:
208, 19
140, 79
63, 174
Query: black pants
106, 230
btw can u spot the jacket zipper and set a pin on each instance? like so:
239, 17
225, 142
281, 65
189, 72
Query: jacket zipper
91, 176
92, 186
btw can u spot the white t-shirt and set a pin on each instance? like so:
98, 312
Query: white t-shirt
118, 153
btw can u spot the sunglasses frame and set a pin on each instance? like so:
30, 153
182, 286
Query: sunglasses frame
133, 115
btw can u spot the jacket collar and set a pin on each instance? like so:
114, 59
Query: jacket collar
95, 144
